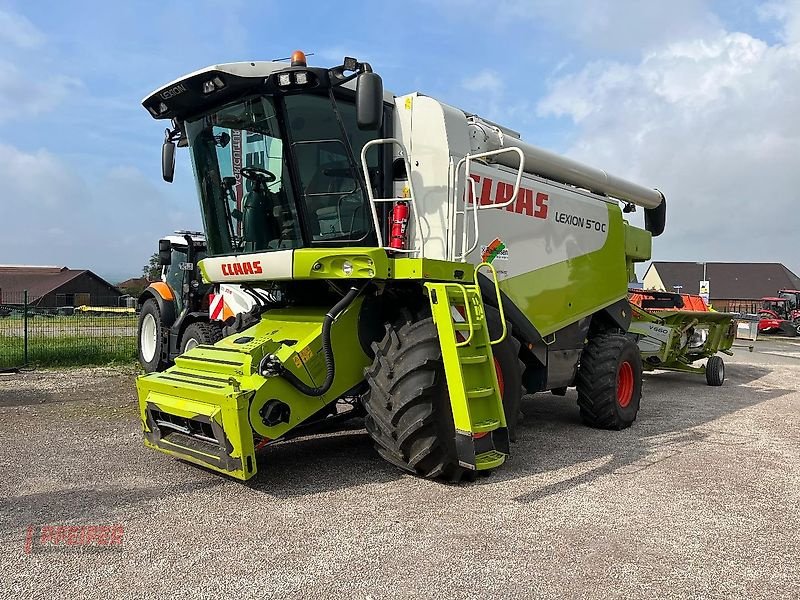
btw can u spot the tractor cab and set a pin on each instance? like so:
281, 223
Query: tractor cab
276, 152
792, 298
178, 255
778, 307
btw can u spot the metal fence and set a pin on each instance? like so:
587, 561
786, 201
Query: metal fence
98, 333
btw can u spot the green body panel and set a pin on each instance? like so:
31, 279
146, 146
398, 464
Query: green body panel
221, 383
427, 269
663, 337
560, 294
470, 372
638, 243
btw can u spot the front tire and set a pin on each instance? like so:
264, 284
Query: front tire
610, 382
200, 333
409, 417
150, 337
715, 370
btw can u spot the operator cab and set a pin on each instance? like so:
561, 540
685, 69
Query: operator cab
276, 149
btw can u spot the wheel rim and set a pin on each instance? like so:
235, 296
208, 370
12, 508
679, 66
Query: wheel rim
148, 337
625, 384
721, 371
190, 343
500, 383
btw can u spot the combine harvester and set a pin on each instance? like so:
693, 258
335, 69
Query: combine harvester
674, 331
403, 259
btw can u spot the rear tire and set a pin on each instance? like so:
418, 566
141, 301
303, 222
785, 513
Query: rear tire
508, 366
408, 408
150, 339
610, 382
715, 370
200, 333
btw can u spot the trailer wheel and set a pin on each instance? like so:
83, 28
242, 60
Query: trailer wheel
509, 370
200, 332
150, 337
408, 408
610, 382
715, 370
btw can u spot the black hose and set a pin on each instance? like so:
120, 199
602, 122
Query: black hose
330, 366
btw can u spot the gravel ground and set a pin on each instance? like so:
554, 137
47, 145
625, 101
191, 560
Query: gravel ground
700, 498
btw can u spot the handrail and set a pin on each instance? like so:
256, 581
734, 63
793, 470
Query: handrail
499, 300
476, 206
412, 199
467, 310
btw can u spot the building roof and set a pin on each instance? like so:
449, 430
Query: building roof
728, 281
39, 281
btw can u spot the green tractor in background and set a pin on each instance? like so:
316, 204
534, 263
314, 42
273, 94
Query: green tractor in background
404, 259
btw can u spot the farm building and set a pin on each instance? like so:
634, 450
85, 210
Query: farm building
50, 287
731, 284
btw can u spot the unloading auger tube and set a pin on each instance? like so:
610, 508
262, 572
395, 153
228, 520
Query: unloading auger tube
485, 137
271, 366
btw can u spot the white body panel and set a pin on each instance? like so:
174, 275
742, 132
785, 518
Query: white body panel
235, 299
547, 224
262, 266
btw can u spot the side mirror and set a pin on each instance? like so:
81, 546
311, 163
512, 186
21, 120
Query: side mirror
369, 101
164, 253
168, 161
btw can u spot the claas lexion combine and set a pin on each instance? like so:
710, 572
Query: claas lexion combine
403, 260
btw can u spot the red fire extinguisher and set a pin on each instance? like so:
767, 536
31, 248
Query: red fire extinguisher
397, 225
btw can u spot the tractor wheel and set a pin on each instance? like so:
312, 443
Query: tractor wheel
797, 327
200, 332
715, 370
509, 370
408, 408
610, 382
150, 337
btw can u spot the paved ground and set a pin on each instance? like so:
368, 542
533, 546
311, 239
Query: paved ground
700, 498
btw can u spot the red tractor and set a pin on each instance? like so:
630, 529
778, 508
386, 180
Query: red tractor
779, 314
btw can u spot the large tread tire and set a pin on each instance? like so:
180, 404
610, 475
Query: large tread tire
506, 356
201, 332
408, 408
715, 370
609, 381
156, 362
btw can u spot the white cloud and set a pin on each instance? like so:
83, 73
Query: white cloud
483, 81
787, 14
19, 31
21, 95
605, 25
713, 123
52, 213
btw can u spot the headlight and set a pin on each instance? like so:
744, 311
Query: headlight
698, 338
284, 79
301, 77
347, 268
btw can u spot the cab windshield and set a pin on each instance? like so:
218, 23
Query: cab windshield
276, 173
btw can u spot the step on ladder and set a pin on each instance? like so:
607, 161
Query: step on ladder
480, 423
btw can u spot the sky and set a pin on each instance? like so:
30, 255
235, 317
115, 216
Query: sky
697, 98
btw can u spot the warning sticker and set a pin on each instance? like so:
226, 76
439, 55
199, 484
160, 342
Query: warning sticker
303, 356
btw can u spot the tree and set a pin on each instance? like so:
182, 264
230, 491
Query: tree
152, 270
